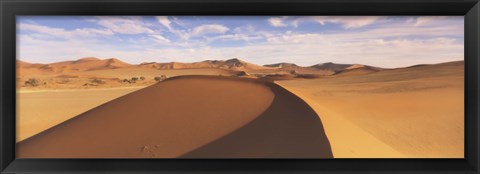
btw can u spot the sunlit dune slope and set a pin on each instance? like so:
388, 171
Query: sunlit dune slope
183, 117
47, 108
418, 111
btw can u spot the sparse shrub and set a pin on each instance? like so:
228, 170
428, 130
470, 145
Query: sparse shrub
97, 81
129, 80
160, 78
259, 75
242, 73
134, 78
142, 78
32, 82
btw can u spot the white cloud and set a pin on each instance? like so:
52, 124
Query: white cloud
209, 28
425, 20
164, 21
125, 25
230, 37
277, 22
160, 38
167, 23
60, 32
246, 29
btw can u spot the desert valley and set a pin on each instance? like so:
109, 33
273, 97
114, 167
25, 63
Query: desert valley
106, 108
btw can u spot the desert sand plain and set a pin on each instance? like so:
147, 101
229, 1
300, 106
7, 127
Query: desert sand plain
105, 108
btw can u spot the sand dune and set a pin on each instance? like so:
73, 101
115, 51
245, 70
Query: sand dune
39, 110
293, 68
153, 122
417, 111
347, 139
289, 128
83, 64
334, 67
357, 69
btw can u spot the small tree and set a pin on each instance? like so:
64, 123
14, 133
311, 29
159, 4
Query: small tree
142, 78
134, 78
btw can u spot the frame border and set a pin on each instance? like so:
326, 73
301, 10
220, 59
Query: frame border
10, 8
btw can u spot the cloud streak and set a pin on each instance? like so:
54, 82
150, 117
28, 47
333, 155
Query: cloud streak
209, 29
125, 25
277, 22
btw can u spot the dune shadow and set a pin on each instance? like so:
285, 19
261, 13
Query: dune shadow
289, 128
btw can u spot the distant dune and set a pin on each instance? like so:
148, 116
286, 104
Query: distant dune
331, 66
235, 64
357, 69
190, 117
231, 64
92, 72
83, 64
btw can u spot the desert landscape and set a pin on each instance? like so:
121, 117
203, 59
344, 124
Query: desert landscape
227, 87
106, 108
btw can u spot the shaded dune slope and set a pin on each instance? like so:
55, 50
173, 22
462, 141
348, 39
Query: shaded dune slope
191, 117
289, 128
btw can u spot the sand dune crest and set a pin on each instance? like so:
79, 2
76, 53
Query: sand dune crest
289, 128
155, 123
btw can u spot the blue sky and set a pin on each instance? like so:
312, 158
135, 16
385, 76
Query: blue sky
385, 41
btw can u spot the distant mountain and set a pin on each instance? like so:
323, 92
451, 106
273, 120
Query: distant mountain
231, 64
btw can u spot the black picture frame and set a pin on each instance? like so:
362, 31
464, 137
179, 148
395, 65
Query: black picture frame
11, 8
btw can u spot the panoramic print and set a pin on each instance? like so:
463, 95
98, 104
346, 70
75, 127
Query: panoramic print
240, 87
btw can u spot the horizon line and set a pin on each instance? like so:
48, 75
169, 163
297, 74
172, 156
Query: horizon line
240, 59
